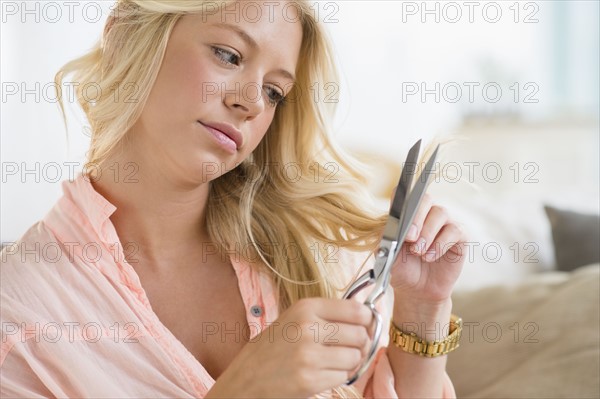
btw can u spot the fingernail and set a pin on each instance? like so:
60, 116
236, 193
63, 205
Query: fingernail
430, 256
412, 232
419, 246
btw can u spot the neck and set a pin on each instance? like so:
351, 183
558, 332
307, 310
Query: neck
162, 218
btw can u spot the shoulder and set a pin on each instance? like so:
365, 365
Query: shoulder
23, 291
24, 258
35, 270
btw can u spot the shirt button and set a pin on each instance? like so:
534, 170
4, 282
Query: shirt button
256, 311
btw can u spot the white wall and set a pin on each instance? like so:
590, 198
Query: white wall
34, 46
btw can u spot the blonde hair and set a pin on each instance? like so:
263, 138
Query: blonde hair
291, 223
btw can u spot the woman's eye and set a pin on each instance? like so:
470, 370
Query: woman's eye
226, 57
274, 96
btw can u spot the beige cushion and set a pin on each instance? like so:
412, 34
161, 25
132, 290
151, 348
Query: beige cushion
538, 339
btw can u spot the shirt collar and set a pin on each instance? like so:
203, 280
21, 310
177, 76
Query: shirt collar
94, 207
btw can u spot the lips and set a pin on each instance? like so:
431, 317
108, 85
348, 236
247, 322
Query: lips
228, 130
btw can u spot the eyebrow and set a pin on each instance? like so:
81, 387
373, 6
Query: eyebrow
252, 43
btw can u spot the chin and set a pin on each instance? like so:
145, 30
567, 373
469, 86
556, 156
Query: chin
210, 166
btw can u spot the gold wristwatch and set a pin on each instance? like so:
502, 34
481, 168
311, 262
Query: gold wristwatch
412, 344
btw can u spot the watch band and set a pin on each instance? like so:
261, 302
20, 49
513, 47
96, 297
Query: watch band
412, 344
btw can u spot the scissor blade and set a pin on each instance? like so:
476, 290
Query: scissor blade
414, 198
408, 171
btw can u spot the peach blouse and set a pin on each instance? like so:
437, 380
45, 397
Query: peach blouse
76, 321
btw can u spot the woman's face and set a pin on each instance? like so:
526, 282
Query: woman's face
217, 90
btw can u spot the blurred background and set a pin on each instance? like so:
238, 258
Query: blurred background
514, 86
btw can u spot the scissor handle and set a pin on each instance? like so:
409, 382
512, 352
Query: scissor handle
369, 278
373, 349
363, 281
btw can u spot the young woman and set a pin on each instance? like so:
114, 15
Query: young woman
198, 255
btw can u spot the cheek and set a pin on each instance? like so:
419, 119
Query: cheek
258, 128
186, 78
262, 124
197, 80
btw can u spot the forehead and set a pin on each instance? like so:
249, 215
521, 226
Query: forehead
253, 12
270, 26
269, 22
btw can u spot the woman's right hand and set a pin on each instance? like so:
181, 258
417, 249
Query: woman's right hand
315, 345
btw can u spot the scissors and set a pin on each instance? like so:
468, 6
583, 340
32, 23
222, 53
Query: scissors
402, 212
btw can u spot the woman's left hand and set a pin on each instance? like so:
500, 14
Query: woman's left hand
431, 257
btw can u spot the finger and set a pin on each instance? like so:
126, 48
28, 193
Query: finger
348, 335
435, 220
417, 223
343, 310
448, 238
341, 358
312, 376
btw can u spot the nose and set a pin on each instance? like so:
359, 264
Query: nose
245, 98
